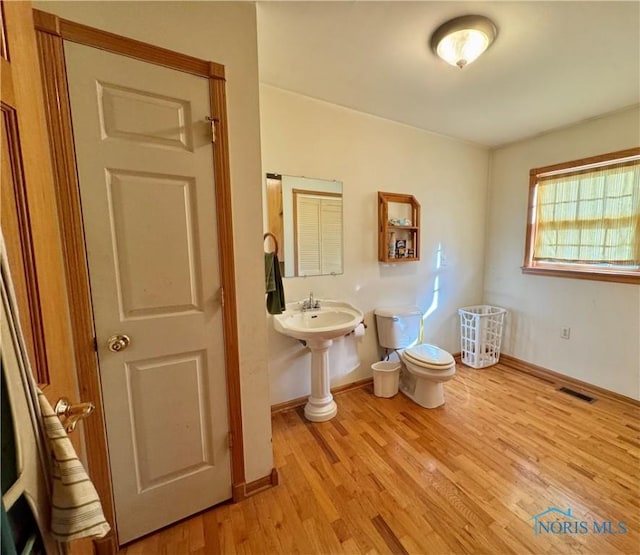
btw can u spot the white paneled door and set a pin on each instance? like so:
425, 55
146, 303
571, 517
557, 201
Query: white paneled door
145, 164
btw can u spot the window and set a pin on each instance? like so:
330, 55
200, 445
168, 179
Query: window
584, 219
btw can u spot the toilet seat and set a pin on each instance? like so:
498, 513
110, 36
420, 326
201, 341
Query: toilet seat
429, 356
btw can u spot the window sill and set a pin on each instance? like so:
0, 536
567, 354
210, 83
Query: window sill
614, 276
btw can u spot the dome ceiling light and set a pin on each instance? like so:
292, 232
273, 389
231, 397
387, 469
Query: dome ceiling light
463, 39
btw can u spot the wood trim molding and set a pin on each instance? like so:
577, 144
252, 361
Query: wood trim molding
6, 83
107, 545
301, 401
258, 485
51, 32
4, 49
58, 112
242, 491
560, 379
217, 94
295, 237
582, 274
530, 231
89, 36
21, 248
316, 193
261, 484
585, 161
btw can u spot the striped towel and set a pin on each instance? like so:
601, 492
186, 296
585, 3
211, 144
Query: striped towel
76, 511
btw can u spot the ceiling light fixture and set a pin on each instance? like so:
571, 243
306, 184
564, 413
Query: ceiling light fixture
461, 40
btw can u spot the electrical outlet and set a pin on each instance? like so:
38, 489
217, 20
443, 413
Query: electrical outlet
565, 332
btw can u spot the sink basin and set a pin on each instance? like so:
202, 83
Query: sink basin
332, 320
318, 328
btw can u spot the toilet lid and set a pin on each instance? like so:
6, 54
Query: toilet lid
429, 354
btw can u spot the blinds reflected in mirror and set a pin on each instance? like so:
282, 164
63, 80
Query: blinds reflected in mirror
318, 233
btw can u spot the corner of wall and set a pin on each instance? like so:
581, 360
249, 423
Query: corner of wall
487, 220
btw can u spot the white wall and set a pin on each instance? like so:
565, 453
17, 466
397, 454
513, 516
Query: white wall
304, 136
224, 32
604, 348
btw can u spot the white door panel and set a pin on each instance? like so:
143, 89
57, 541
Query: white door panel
146, 284
147, 187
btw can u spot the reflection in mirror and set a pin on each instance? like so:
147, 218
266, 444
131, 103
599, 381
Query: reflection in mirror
305, 215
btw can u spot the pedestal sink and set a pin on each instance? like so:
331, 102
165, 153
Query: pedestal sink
318, 327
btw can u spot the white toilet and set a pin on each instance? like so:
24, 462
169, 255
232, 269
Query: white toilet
425, 367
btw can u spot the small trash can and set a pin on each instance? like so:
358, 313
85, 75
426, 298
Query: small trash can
386, 376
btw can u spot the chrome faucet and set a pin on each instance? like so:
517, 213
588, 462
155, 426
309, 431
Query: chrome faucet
310, 303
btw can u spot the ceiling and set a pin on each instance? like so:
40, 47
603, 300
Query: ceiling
552, 64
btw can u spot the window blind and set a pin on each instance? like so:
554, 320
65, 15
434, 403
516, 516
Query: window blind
331, 235
590, 216
308, 228
319, 234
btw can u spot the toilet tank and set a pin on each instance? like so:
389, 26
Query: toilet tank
398, 327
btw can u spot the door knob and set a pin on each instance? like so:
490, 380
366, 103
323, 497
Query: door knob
72, 413
117, 343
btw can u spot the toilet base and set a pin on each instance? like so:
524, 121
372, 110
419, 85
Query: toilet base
429, 395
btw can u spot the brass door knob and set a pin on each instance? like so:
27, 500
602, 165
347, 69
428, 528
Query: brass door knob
72, 414
117, 343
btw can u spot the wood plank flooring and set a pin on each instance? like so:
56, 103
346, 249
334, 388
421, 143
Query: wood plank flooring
386, 476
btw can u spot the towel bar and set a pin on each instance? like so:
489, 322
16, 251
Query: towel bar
269, 235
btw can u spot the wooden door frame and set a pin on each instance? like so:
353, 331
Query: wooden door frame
51, 32
28, 213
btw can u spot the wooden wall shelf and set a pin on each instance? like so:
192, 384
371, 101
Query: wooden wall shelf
398, 228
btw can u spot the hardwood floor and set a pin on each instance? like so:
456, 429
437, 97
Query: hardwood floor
386, 476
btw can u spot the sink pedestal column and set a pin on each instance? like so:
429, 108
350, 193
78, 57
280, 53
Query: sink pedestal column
320, 406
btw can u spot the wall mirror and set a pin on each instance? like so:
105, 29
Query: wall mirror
305, 215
